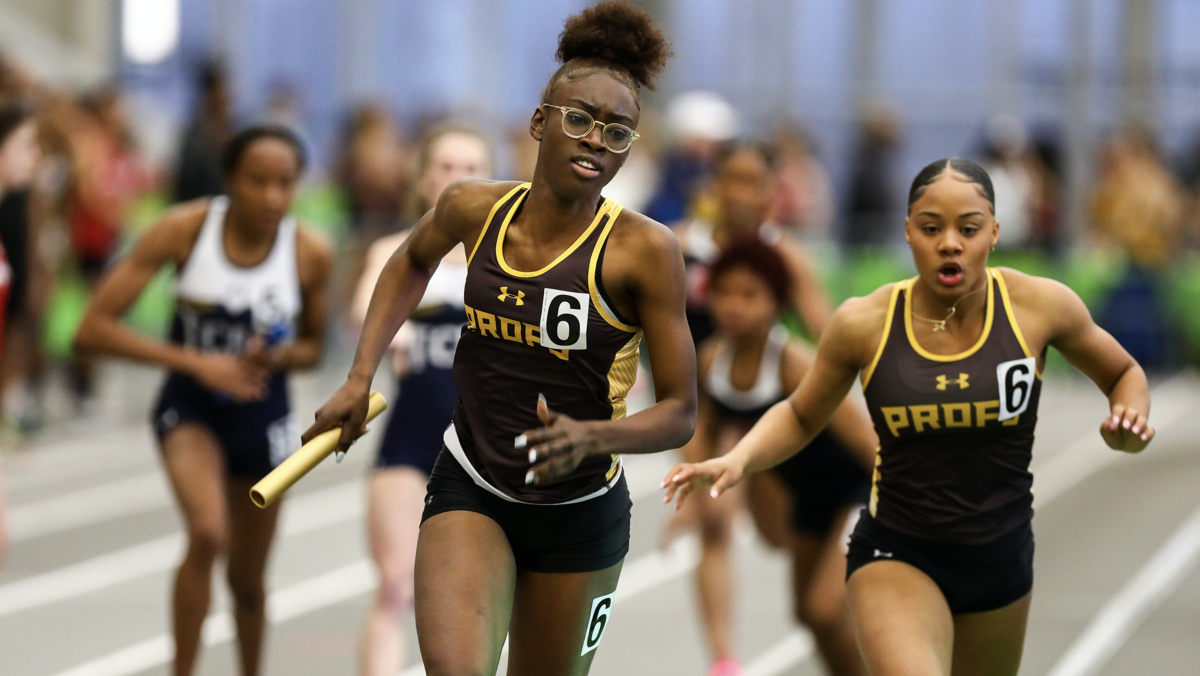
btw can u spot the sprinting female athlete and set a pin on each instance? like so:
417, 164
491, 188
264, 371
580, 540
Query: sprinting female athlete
526, 520
744, 187
250, 307
941, 563
803, 507
423, 354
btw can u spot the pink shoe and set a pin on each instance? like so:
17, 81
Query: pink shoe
727, 667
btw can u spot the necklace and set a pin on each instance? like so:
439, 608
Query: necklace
940, 324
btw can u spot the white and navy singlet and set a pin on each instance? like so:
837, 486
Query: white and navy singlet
219, 308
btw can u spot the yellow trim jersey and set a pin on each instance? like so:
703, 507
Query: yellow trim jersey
956, 431
551, 331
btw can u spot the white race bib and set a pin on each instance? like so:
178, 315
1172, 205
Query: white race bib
564, 319
1016, 383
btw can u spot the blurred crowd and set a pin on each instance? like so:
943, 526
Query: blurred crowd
93, 187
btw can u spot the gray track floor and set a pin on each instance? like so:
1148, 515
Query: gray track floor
96, 537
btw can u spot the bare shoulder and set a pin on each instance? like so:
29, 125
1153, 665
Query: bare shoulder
314, 254
173, 237
1027, 290
468, 201
1044, 307
857, 325
648, 240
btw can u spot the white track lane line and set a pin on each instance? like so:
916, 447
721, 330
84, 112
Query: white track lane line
303, 514
1121, 617
136, 495
359, 578
1080, 460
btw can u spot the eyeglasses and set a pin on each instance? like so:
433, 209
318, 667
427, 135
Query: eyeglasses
578, 123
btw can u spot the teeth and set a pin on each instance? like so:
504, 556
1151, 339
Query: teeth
587, 165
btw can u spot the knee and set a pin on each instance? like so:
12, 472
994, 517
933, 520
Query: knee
247, 588
716, 531
821, 610
206, 543
395, 592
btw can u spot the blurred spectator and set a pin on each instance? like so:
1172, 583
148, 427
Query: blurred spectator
872, 202
373, 172
198, 173
1137, 206
804, 200
523, 150
1046, 167
1006, 159
1189, 176
108, 175
701, 122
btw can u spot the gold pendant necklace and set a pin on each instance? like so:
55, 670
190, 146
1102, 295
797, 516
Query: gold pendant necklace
940, 324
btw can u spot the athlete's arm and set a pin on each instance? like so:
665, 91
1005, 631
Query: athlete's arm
643, 272
849, 424
314, 258
703, 444
458, 217
1070, 329
787, 427
101, 331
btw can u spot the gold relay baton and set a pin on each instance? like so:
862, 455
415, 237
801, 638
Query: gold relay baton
309, 456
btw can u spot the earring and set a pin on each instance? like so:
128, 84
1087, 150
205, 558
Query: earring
993, 247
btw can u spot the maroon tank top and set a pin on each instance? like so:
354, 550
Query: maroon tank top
550, 331
955, 431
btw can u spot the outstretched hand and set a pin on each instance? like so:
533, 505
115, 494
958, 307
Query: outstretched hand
558, 447
1126, 430
717, 476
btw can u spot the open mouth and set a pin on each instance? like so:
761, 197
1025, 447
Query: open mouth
950, 274
586, 167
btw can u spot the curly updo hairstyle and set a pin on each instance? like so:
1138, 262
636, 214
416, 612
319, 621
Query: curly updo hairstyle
615, 38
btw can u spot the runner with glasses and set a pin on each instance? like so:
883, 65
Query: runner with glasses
526, 519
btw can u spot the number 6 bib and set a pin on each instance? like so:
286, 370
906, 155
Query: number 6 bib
564, 319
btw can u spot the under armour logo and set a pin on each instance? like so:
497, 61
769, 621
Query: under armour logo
943, 381
518, 296
883, 555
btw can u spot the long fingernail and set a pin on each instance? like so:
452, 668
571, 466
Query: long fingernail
532, 457
1126, 424
663, 484
1136, 429
339, 456
529, 477
1145, 437
542, 398
713, 493
520, 442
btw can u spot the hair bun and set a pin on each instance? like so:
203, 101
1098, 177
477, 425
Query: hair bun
618, 34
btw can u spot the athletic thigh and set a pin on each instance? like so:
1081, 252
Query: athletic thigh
196, 469
991, 643
464, 580
558, 620
901, 620
395, 499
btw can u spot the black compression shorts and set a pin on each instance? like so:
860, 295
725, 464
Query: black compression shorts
973, 578
578, 538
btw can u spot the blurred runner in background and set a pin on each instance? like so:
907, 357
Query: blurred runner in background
423, 359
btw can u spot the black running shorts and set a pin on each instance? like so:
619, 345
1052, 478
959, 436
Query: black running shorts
578, 538
973, 578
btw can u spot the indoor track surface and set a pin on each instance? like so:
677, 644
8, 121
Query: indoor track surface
96, 536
